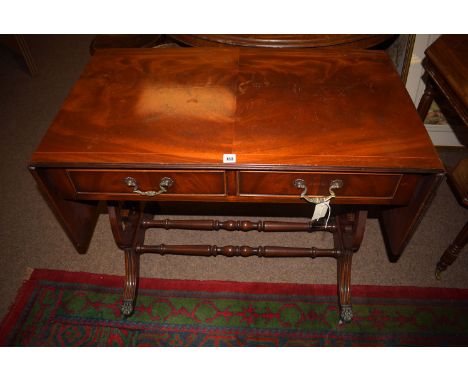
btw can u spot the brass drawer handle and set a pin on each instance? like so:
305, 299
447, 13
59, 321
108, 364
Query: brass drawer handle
334, 184
164, 184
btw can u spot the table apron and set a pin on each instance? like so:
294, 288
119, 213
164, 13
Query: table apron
236, 186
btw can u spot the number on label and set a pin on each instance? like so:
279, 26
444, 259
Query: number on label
229, 158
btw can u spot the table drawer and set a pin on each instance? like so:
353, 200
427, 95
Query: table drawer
365, 187
112, 182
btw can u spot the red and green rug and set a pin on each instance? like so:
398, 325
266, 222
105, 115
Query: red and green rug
57, 308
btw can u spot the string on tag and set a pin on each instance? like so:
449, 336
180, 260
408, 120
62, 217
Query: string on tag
328, 213
321, 210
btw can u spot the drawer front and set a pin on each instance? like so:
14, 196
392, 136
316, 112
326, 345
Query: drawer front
112, 182
367, 187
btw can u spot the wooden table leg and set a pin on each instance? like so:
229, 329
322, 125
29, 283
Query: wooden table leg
452, 252
344, 286
426, 99
129, 233
348, 238
132, 272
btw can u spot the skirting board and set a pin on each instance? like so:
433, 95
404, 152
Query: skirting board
443, 135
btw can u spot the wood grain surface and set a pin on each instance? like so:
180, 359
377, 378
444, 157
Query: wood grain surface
303, 109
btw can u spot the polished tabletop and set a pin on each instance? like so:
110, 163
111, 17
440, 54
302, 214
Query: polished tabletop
308, 109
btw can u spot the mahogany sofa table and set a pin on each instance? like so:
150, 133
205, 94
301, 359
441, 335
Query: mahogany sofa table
237, 125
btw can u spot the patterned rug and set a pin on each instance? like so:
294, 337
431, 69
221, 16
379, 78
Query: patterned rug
57, 308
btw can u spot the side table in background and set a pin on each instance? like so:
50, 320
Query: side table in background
446, 66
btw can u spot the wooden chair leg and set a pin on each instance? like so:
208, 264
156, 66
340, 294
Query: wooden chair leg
452, 252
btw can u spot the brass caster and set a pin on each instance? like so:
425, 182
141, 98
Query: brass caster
127, 308
438, 271
346, 314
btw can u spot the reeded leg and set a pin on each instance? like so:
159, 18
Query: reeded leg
452, 252
132, 271
348, 238
344, 286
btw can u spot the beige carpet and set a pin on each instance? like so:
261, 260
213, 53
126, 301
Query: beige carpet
30, 236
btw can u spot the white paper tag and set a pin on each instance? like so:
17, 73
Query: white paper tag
229, 158
321, 210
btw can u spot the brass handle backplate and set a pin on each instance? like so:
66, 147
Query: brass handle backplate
164, 184
334, 184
